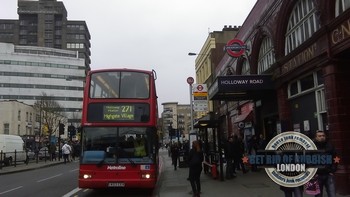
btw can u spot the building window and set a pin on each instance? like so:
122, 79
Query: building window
6, 128
19, 129
266, 55
6, 26
321, 109
48, 44
19, 115
293, 88
306, 83
341, 6
245, 67
75, 45
302, 24
48, 35
5, 35
23, 41
320, 80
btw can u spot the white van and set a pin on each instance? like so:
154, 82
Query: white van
9, 144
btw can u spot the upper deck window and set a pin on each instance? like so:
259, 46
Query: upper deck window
119, 85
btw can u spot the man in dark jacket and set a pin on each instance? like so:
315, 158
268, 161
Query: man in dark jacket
174, 154
325, 176
229, 156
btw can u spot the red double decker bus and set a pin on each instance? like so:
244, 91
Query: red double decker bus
119, 130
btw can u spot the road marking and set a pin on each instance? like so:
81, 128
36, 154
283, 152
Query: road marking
74, 170
11, 190
76, 190
48, 178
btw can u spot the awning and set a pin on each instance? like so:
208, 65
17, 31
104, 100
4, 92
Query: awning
240, 87
242, 117
207, 121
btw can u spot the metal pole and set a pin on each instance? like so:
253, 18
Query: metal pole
177, 128
59, 141
191, 106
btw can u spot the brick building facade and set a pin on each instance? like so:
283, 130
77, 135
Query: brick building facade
303, 46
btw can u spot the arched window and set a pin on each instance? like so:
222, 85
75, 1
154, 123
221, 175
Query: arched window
245, 67
266, 55
341, 6
302, 24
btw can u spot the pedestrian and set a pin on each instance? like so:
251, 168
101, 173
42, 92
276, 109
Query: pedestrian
76, 149
261, 142
52, 149
325, 175
174, 154
229, 154
253, 146
72, 157
66, 150
195, 159
289, 191
238, 152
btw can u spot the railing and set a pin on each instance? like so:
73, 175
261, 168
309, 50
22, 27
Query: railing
13, 158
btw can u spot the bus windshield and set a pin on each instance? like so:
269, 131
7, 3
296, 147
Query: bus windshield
119, 85
113, 145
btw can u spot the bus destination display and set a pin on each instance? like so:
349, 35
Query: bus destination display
118, 112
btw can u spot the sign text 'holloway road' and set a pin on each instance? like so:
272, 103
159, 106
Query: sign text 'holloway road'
242, 81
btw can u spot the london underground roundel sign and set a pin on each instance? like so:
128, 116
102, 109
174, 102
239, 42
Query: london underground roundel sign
235, 48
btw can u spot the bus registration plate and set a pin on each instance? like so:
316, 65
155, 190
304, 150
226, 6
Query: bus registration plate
116, 184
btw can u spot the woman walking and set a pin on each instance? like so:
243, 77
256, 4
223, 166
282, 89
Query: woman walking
195, 160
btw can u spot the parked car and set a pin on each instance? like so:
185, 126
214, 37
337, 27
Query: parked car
30, 154
44, 153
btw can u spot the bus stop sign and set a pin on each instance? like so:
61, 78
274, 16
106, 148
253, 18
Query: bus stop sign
190, 80
235, 48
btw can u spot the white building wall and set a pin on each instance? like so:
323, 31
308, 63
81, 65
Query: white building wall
18, 124
30, 75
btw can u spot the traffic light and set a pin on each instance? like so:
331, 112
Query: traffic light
71, 130
172, 132
61, 129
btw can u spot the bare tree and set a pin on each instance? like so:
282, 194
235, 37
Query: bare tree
50, 113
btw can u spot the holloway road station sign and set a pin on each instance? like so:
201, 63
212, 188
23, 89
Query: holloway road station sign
235, 48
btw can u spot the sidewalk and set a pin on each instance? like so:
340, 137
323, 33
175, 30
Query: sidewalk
20, 167
252, 184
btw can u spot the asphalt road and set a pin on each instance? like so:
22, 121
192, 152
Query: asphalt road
59, 180
51, 181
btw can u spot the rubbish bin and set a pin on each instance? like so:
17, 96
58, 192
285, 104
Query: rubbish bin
183, 159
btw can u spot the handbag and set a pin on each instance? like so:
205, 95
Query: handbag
312, 187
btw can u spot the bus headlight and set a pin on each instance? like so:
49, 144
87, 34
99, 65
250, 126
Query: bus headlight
87, 176
146, 176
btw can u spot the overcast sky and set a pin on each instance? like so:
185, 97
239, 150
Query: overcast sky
151, 34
